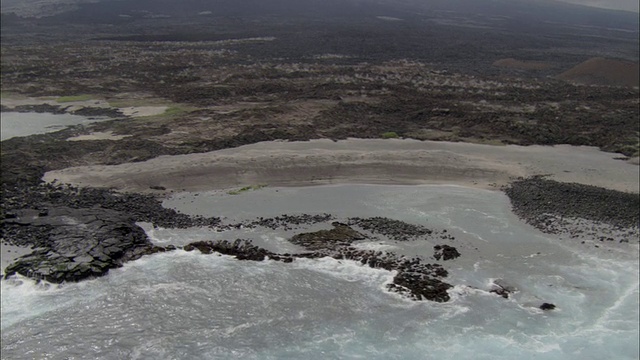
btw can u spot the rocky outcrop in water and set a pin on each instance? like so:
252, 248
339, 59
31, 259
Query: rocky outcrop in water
341, 235
394, 229
445, 252
547, 306
502, 288
241, 249
415, 279
287, 222
76, 243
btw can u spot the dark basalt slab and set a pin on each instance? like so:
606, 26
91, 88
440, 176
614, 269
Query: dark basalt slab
76, 243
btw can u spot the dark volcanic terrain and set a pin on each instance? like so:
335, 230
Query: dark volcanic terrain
226, 76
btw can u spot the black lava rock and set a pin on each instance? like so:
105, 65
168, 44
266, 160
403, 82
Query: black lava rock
533, 199
75, 244
445, 252
547, 306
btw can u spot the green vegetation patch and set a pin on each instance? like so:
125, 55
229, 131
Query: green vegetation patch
65, 99
246, 188
173, 110
390, 135
6, 95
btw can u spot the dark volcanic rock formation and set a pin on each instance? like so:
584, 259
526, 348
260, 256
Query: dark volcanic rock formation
547, 306
241, 249
340, 235
141, 207
76, 243
445, 252
286, 222
414, 279
394, 229
536, 199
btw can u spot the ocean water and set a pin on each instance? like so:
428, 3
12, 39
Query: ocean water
186, 305
15, 124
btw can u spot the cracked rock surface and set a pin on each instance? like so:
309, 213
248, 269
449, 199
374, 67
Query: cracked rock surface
76, 243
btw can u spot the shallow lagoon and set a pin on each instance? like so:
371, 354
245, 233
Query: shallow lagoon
15, 124
189, 305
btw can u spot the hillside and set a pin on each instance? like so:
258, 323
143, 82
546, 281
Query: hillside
601, 71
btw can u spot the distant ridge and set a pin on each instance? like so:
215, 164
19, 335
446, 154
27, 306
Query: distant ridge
601, 71
518, 11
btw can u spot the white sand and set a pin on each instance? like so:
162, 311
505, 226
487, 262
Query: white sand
391, 161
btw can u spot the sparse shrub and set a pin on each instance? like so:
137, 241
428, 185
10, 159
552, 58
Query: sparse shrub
64, 99
390, 135
173, 110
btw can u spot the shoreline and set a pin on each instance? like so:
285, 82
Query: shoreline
121, 195
92, 106
361, 161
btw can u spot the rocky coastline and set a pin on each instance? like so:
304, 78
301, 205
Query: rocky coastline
81, 233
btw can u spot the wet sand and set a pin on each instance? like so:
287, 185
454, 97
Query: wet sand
363, 161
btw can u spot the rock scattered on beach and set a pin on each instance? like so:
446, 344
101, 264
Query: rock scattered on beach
578, 211
535, 198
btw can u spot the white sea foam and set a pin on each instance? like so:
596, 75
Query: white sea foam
189, 305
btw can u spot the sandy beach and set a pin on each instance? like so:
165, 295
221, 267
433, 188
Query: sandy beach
364, 161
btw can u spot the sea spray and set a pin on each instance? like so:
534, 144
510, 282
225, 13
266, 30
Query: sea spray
190, 305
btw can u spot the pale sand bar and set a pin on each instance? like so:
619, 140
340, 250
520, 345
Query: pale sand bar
363, 161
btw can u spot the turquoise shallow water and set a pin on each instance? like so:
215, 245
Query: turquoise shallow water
188, 305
